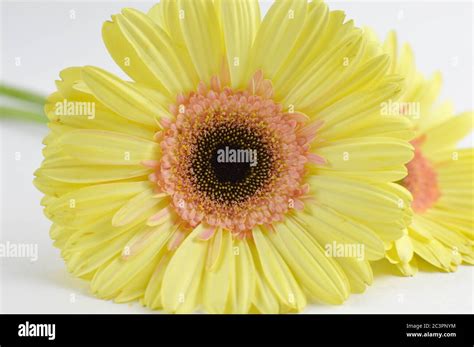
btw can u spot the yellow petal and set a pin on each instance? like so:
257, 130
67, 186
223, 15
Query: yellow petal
451, 239
447, 134
359, 200
317, 274
435, 253
358, 112
157, 50
136, 287
123, 98
264, 299
108, 281
104, 119
135, 207
243, 279
100, 232
240, 20
126, 57
358, 272
183, 276
93, 201
88, 261
82, 174
217, 282
200, 27
390, 46
276, 35
309, 44
277, 273
404, 249
107, 148
335, 227
369, 153
409, 269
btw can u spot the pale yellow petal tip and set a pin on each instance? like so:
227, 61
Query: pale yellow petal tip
392, 35
408, 50
370, 33
408, 269
437, 77
155, 10
70, 73
131, 11
91, 70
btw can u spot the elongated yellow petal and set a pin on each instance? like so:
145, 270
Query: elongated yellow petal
371, 153
88, 261
123, 98
183, 278
358, 272
277, 273
54, 188
82, 174
391, 47
453, 240
67, 86
216, 285
436, 254
358, 199
99, 232
243, 281
135, 208
448, 133
200, 27
103, 119
309, 44
404, 249
103, 147
93, 200
264, 299
109, 280
317, 274
240, 20
135, 288
336, 227
276, 36
156, 49
125, 56
168, 15
359, 110
319, 83
152, 297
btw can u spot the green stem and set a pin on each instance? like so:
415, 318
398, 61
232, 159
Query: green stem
8, 112
21, 94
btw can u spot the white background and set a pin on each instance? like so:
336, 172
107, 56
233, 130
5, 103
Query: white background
48, 40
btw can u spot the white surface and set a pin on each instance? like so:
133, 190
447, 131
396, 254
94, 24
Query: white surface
48, 40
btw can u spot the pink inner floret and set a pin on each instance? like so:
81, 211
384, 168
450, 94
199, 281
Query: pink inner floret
421, 180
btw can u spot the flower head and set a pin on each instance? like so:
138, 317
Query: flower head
269, 149
439, 176
241, 152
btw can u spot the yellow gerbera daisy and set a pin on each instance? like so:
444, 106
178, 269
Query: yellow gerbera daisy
142, 204
440, 176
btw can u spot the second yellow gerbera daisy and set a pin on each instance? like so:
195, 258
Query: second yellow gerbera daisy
440, 176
